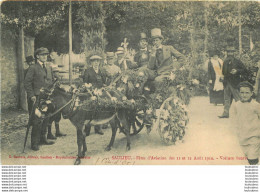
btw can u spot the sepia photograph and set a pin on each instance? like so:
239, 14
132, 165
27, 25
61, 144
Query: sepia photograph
130, 82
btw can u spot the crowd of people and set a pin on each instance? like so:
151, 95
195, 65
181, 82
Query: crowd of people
156, 61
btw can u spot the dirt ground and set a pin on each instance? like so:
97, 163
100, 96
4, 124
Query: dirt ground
208, 141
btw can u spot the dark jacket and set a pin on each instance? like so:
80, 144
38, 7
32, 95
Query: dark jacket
163, 62
142, 58
96, 79
229, 64
37, 78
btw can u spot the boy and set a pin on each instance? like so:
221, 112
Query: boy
246, 116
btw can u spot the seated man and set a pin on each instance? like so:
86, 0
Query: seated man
123, 61
97, 78
111, 69
161, 56
142, 56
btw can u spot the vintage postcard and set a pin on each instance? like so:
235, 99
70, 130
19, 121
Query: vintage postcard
130, 82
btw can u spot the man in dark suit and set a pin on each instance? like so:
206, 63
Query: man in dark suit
232, 70
38, 76
30, 61
142, 56
97, 78
161, 56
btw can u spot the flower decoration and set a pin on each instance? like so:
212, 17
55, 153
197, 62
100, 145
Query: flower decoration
93, 98
195, 82
172, 76
114, 99
147, 88
88, 85
137, 85
132, 101
149, 111
97, 92
141, 74
125, 79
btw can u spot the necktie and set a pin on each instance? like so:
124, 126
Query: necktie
43, 66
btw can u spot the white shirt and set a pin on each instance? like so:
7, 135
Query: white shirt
246, 119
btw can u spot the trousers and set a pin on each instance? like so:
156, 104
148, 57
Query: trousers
229, 93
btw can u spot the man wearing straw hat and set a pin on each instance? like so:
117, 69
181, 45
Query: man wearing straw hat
161, 56
111, 69
123, 61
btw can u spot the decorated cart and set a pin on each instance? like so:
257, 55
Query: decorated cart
151, 105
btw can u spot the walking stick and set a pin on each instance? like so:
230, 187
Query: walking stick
29, 123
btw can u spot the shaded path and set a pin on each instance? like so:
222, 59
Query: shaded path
207, 137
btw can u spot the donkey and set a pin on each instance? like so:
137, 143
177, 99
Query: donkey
78, 117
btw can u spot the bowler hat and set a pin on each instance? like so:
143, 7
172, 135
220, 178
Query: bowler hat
143, 36
120, 50
110, 54
41, 51
156, 33
29, 59
95, 57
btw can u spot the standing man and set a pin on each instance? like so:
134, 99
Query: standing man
30, 61
38, 76
232, 70
142, 56
161, 56
97, 78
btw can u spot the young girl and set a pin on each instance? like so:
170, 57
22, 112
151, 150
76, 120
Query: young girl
246, 116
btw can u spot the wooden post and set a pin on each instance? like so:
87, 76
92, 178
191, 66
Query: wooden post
240, 29
70, 45
22, 103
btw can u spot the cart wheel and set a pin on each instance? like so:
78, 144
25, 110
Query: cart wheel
136, 123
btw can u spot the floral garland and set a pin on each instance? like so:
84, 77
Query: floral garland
108, 98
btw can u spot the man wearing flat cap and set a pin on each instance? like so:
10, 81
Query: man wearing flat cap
232, 70
161, 56
38, 76
96, 77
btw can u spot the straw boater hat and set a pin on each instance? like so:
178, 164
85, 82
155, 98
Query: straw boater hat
41, 51
110, 55
143, 36
95, 57
156, 33
120, 50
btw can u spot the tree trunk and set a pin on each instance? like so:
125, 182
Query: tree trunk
22, 103
240, 29
70, 46
206, 32
251, 44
